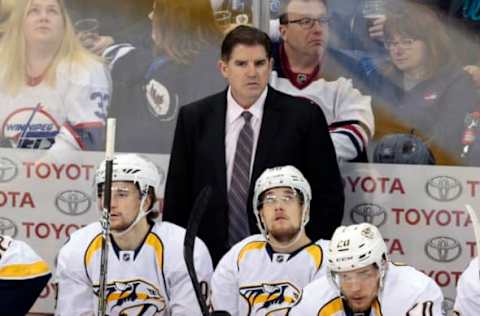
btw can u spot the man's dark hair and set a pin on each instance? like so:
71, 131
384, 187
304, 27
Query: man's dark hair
245, 35
283, 18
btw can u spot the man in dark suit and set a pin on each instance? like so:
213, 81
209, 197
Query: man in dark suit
286, 131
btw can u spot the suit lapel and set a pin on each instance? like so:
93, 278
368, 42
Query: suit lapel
266, 139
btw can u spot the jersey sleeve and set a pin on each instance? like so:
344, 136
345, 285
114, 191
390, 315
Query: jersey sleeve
86, 101
183, 300
306, 305
353, 124
429, 301
468, 291
74, 290
225, 284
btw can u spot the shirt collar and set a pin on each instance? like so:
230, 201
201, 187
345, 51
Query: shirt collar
234, 110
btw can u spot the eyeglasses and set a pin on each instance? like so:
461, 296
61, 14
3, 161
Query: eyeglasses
272, 199
361, 276
307, 22
405, 43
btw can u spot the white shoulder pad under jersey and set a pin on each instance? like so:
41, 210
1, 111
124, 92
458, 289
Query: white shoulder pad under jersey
407, 292
348, 113
153, 280
251, 279
18, 261
467, 302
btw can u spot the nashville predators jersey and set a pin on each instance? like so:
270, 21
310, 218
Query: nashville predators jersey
252, 279
69, 115
151, 280
467, 302
348, 113
406, 292
19, 262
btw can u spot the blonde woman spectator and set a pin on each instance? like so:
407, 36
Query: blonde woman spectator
54, 93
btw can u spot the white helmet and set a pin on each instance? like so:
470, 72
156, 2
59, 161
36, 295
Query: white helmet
286, 176
356, 246
134, 168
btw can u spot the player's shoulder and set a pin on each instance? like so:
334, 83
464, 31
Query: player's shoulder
469, 277
172, 235
317, 294
82, 238
88, 72
400, 276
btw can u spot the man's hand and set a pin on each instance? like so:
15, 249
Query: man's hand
97, 44
474, 71
375, 31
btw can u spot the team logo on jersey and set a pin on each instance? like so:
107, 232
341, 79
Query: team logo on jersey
32, 128
133, 297
161, 103
270, 299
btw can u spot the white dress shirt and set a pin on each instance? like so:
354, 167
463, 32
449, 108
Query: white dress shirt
233, 125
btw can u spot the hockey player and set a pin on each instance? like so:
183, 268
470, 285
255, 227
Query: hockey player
146, 274
299, 70
23, 275
361, 281
467, 302
265, 273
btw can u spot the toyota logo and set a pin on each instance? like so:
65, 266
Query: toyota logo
8, 227
447, 306
443, 188
443, 249
8, 169
369, 213
73, 202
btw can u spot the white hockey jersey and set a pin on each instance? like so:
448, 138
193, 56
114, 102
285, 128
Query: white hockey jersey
251, 279
348, 113
467, 302
153, 280
406, 292
69, 116
19, 262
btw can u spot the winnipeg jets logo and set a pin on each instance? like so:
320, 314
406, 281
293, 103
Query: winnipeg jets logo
133, 297
161, 103
270, 299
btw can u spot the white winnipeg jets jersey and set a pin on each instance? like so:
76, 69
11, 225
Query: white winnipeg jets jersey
19, 262
406, 292
251, 279
152, 280
70, 115
467, 302
348, 112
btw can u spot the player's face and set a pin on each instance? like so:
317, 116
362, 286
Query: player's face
125, 204
281, 212
360, 287
308, 41
247, 72
43, 22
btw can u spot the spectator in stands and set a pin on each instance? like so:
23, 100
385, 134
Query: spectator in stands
150, 87
54, 93
299, 70
422, 89
6, 7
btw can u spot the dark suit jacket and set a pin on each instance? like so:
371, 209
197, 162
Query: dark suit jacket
293, 131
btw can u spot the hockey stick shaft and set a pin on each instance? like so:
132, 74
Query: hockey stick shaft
105, 221
196, 215
476, 226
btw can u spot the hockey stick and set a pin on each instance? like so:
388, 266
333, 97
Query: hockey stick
476, 227
105, 220
198, 210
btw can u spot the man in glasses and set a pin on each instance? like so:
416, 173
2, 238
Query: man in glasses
361, 281
264, 273
299, 70
146, 273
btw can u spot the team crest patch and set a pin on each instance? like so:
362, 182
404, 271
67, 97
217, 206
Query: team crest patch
133, 297
29, 127
161, 103
270, 298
